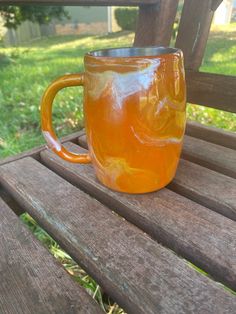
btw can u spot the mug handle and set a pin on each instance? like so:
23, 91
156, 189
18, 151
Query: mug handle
46, 117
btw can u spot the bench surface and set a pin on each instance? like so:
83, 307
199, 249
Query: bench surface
144, 250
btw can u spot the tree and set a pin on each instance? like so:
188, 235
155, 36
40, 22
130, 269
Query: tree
13, 16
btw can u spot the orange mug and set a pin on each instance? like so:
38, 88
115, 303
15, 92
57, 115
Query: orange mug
135, 116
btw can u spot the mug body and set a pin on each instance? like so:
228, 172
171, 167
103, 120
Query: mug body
134, 107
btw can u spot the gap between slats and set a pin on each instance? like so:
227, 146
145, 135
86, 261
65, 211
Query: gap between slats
212, 156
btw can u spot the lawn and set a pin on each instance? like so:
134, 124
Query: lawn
24, 75
26, 71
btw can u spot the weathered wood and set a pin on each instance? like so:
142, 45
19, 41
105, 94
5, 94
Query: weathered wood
81, 2
82, 141
31, 279
207, 187
212, 90
212, 156
215, 4
196, 233
35, 151
211, 134
138, 273
155, 23
193, 31
11, 202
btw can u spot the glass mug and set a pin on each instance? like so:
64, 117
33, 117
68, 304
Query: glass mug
135, 116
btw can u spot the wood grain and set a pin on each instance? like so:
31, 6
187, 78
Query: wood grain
138, 273
212, 156
211, 134
36, 150
193, 31
81, 2
155, 24
200, 235
32, 281
212, 90
6, 197
207, 187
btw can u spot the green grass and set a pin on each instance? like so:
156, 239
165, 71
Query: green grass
25, 73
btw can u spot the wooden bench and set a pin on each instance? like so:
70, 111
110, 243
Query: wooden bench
144, 250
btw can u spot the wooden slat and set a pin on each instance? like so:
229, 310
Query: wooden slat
81, 2
212, 156
138, 273
82, 141
34, 152
215, 4
11, 202
207, 187
211, 134
212, 90
31, 279
193, 31
200, 235
155, 24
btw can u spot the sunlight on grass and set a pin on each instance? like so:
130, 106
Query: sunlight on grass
212, 117
221, 50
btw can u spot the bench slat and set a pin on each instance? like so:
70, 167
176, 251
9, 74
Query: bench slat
193, 30
197, 233
211, 134
213, 90
31, 279
212, 156
136, 271
155, 24
81, 2
207, 187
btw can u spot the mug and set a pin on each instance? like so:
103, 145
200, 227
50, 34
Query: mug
135, 116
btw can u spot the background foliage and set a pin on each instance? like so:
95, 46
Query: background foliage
126, 18
13, 16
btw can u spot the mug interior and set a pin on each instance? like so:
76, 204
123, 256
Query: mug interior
133, 52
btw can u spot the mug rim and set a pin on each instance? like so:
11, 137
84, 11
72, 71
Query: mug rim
133, 52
